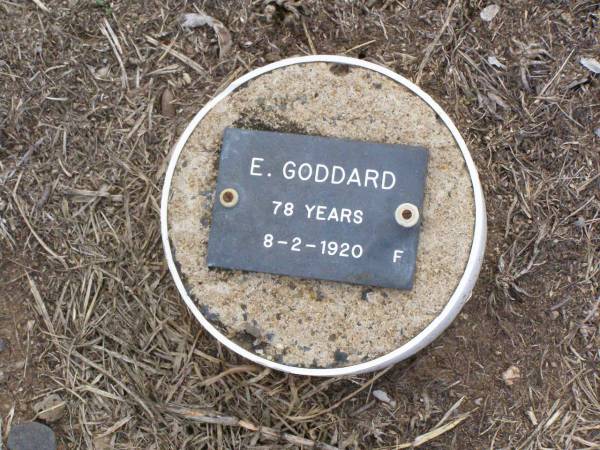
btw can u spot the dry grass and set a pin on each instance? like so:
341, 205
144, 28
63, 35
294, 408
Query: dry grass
85, 133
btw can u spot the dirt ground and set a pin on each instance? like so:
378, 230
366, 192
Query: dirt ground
93, 95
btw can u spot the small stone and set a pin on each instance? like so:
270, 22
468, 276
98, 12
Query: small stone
590, 64
532, 417
31, 436
3, 345
367, 295
50, 409
493, 61
489, 12
340, 356
554, 314
511, 375
103, 72
580, 222
252, 330
383, 397
167, 106
269, 12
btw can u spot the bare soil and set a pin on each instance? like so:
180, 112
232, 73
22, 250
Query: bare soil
22, 344
93, 95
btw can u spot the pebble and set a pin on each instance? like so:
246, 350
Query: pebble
3, 345
50, 409
489, 12
31, 436
511, 375
383, 397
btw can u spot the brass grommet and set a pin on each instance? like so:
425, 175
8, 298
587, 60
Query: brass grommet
407, 215
229, 197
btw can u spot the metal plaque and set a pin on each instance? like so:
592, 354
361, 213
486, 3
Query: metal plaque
315, 207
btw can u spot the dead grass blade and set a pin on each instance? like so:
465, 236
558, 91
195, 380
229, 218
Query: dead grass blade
112, 39
40, 305
212, 417
436, 39
34, 233
237, 369
118, 382
436, 432
346, 398
180, 56
41, 5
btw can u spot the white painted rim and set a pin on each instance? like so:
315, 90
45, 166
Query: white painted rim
458, 298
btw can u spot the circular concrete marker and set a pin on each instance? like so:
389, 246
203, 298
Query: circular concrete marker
312, 326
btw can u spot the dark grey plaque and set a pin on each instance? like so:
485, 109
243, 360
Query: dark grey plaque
316, 207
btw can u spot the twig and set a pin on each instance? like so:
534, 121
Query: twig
430, 435
110, 35
213, 417
553, 414
450, 411
22, 160
310, 42
41, 306
549, 83
85, 194
180, 56
115, 380
41, 5
356, 47
115, 427
435, 41
509, 215
35, 235
230, 371
347, 397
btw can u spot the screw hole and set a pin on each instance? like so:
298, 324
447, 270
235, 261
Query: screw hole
228, 197
407, 214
